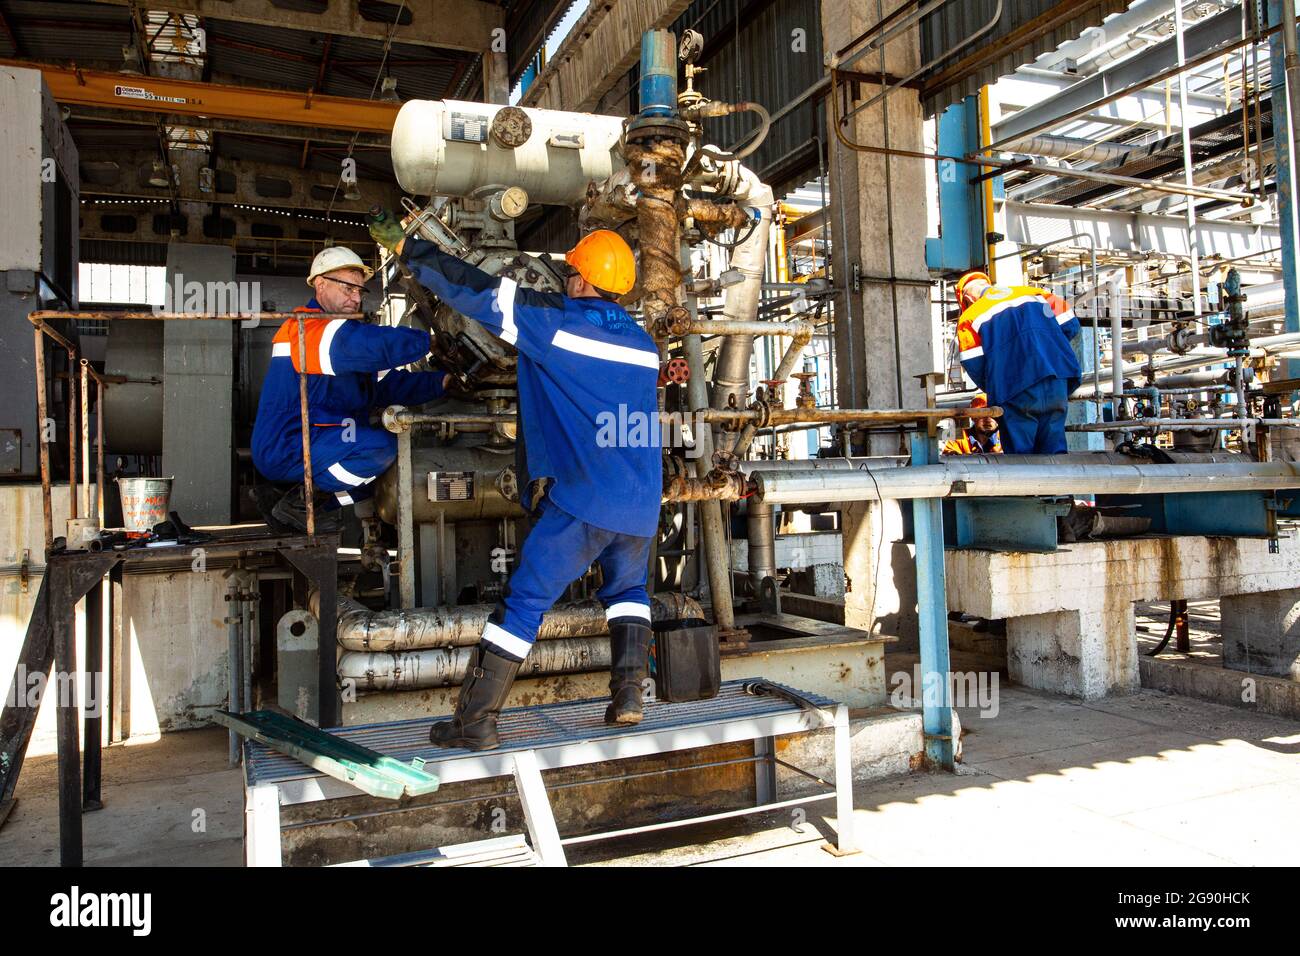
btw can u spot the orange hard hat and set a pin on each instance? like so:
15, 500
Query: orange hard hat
970, 277
979, 401
604, 260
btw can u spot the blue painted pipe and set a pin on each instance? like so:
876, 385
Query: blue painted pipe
658, 73
1285, 193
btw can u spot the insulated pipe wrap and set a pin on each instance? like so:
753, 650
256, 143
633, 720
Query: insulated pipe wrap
418, 669
361, 629
982, 478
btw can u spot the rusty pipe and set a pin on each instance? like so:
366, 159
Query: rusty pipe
750, 329
766, 416
717, 485
85, 438
656, 166
72, 441
39, 317
42, 412
309, 492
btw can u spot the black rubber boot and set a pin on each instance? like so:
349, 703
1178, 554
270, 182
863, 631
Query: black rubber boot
291, 510
482, 695
629, 667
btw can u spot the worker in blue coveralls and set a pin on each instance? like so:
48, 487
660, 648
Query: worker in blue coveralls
583, 364
1015, 346
352, 368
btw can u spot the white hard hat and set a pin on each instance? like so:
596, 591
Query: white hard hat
333, 258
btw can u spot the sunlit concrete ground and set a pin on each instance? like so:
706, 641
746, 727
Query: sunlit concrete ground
1145, 779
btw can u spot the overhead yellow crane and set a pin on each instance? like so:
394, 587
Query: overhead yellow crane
71, 85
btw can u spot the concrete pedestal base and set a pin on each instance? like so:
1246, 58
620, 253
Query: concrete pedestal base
1086, 653
1261, 633
1069, 613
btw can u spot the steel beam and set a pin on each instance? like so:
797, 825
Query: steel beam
1038, 224
1203, 36
72, 86
1095, 39
448, 24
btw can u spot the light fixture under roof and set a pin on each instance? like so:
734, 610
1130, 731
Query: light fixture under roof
159, 177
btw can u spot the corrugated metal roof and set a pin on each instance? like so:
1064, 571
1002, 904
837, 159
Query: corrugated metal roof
948, 27
759, 64
55, 31
280, 58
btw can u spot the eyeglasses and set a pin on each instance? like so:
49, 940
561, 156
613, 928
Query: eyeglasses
358, 289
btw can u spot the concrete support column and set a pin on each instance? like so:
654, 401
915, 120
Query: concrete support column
496, 77
1088, 653
198, 385
880, 572
1261, 633
885, 331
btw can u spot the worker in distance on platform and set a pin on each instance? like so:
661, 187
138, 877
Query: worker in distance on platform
353, 368
582, 359
1015, 346
981, 437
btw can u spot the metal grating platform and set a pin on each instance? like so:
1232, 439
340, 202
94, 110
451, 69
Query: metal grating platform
553, 736
529, 728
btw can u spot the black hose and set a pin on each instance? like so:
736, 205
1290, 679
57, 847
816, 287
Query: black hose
1174, 609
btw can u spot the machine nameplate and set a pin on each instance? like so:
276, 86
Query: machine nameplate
451, 485
467, 127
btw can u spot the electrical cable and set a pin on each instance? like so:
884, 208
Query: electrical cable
753, 224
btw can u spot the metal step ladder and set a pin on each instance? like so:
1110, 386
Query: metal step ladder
555, 736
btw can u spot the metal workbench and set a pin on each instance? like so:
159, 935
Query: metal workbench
49, 649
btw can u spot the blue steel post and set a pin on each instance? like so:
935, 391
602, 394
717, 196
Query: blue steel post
1285, 177
932, 614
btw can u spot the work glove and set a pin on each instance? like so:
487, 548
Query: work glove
386, 228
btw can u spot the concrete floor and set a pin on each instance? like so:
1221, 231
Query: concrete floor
1139, 780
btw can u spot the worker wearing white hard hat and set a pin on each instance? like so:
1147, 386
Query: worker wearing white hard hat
352, 369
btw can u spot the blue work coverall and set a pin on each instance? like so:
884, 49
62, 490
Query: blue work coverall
352, 369
1015, 346
589, 412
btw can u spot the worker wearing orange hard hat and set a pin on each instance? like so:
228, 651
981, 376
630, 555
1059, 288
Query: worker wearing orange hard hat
980, 438
590, 470
1015, 346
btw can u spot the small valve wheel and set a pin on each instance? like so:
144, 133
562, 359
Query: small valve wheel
775, 388
806, 397
675, 372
